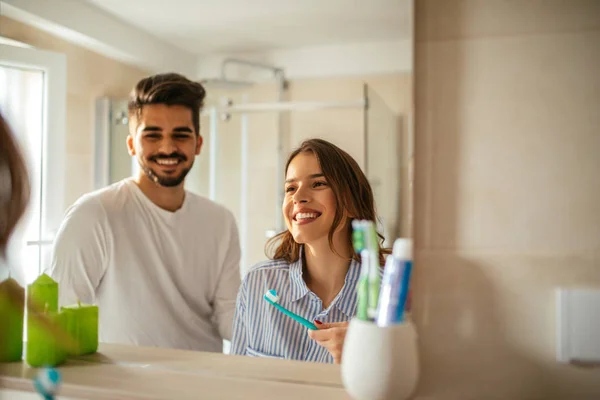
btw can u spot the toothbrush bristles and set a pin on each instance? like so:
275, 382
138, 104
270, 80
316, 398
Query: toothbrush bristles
272, 295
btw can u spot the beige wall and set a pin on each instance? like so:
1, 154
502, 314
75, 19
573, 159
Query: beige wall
343, 127
89, 76
507, 192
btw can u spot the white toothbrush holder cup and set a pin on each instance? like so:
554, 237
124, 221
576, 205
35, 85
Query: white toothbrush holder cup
380, 363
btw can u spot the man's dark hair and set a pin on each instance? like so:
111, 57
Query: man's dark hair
170, 89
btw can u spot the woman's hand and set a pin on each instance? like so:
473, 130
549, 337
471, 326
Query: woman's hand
331, 336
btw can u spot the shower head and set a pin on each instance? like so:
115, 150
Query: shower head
220, 83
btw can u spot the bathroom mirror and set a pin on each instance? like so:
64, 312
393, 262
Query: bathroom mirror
276, 73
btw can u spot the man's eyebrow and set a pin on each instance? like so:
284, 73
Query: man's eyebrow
183, 129
152, 129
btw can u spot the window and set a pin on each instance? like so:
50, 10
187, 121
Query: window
33, 101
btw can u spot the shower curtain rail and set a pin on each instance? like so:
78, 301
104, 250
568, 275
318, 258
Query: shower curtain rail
286, 106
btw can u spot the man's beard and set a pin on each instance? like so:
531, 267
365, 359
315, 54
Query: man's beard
166, 181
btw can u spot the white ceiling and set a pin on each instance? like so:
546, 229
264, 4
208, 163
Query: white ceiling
225, 26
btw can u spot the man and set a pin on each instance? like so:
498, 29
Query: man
161, 263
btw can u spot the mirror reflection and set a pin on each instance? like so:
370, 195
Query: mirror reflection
195, 175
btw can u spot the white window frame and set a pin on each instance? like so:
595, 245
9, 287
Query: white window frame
54, 66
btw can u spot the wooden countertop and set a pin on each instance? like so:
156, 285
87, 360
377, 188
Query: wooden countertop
129, 372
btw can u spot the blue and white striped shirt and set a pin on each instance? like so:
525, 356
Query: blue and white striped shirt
260, 330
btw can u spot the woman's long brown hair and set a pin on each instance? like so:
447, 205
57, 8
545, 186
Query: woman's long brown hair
14, 199
353, 197
14, 185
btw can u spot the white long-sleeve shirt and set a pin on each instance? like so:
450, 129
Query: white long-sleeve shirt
159, 278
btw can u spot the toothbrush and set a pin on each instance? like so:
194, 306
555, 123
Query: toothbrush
374, 277
271, 297
358, 241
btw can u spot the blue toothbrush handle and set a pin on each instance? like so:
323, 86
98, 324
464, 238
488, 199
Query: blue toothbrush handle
296, 317
404, 290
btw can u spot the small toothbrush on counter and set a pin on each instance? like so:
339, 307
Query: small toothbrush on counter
272, 298
47, 383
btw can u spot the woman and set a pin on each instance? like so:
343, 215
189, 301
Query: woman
14, 187
314, 268
14, 199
